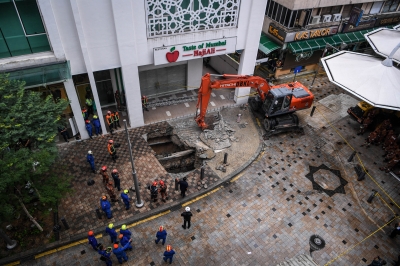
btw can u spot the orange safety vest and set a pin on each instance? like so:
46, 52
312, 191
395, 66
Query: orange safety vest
109, 119
111, 148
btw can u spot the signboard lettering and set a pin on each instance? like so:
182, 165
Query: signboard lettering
387, 21
310, 34
275, 32
181, 52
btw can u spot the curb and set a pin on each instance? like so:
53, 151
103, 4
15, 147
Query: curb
140, 218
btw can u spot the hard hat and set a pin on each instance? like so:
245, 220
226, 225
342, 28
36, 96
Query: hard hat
187, 209
90, 152
161, 183
115, 245
123, 227
104, 168
161, 228
126, 191
115, 171
155, 183
108, 112
95, 116
108, 250
120, 236
169, 248
111, 225
111, 141
87, 121
90, 233
104, 197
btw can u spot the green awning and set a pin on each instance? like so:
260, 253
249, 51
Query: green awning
266, 45
42, 75
334, 40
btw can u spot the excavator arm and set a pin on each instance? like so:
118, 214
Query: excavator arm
227, 82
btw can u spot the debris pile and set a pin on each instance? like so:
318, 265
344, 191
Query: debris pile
219, 138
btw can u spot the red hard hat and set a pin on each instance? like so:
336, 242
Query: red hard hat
155, 183
115, 245
104, 197
111, 141
161, 228
115, 171
90, 233
120, 236
104, 168
161, 183
87, 121
169, 247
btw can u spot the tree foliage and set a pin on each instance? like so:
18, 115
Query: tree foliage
28, 153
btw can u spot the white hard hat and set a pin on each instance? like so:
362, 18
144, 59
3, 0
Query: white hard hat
89, 152
187, 209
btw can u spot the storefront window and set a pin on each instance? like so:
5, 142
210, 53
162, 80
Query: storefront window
390, 6
104, 87
21, 29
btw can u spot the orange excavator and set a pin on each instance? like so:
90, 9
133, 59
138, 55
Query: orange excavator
277, 104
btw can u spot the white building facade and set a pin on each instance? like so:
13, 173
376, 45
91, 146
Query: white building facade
133, 47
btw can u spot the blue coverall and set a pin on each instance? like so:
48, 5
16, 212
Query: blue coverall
97, 125
107, 255
120, 253
90, 159
93, 242
89, 129
161, 235
106, 207
125, 198
169, 255
126, 233
113, 234
124, 241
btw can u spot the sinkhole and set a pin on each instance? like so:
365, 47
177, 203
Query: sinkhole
172, 154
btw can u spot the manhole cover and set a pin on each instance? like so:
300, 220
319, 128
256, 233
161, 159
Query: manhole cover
316, 243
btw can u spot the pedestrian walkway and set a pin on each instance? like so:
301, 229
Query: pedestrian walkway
300, 185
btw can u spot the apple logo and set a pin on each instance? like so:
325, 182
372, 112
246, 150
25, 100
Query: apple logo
173, 55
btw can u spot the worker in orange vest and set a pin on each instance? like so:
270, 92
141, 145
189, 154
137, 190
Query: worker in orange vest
115, 117
110, 121
111, 149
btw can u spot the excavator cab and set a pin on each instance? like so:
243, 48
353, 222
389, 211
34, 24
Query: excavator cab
277, 102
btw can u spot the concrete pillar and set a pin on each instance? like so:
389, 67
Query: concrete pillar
125, 28
51, 28
86, 58
194, 73
76, 108
249, 55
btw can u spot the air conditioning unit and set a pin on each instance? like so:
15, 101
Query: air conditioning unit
315, 19
326, 18
337, 17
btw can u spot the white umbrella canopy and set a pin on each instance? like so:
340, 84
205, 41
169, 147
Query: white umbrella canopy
383, 41
365, 77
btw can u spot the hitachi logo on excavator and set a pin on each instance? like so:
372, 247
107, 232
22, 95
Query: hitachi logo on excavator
237, 84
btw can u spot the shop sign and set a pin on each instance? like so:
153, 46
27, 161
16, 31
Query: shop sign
188, 51
361, 26
277, 32
314, 33
387, 21
355, 16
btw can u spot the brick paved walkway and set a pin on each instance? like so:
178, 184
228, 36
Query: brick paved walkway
269, 214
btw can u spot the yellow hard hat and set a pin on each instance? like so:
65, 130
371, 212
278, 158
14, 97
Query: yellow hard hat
111, 225
123, 227
126, 191
95, 116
